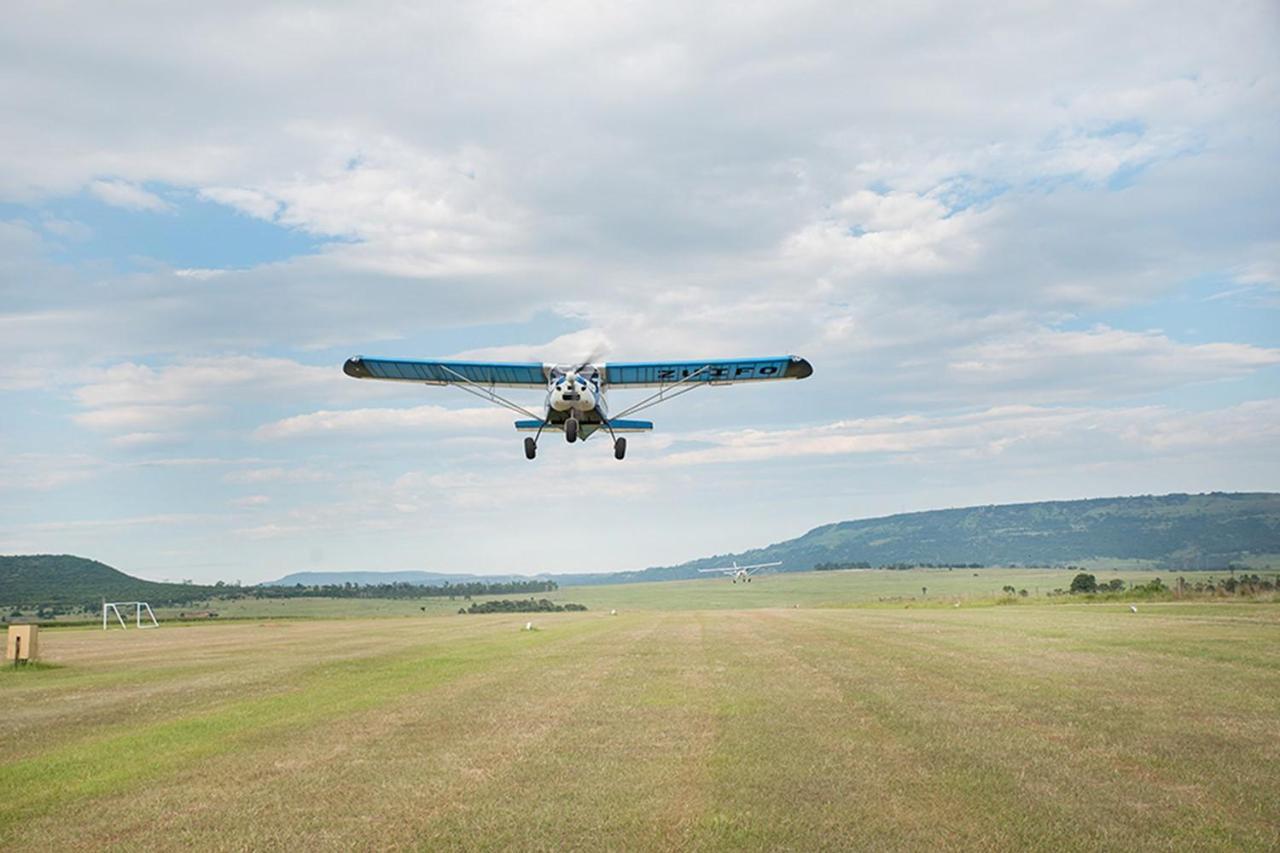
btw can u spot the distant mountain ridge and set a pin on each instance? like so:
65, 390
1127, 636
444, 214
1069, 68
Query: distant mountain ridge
1177, 531
372, 578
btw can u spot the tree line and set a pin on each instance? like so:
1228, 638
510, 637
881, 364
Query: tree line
863, 564
1246, 584
391, 590
50, 609
529, 605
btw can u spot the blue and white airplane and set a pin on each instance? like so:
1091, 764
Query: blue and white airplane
575, 401
741, 573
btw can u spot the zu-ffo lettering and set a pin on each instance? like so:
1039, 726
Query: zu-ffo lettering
717, 372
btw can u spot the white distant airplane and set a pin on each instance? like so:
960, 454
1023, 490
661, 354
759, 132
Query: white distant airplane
575, 401
742, 573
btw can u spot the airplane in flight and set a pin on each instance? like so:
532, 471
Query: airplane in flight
575, 394
741, 573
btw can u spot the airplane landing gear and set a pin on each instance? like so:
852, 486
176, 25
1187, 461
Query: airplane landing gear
571, 430
619, 447
530, 448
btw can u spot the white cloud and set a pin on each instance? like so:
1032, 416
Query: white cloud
547, 182
276, 474
198, 273
128, 196
253, 202
1098, 363
199, 378
889, 233
357, 422
136, 417
416, 492
146, 439
1051, 432
591, 345
157, 519
42, 472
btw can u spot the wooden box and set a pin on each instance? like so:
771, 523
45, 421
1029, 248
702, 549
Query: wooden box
22, 642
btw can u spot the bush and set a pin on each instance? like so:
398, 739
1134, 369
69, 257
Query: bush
1084, 582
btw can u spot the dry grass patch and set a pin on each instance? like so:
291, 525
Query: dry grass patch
998, 728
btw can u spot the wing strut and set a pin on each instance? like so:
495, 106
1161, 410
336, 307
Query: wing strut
662, 394
489, 395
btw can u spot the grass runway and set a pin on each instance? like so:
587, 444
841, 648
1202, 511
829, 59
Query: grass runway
1022, 727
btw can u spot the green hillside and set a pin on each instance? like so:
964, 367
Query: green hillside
61, 579
1182, 532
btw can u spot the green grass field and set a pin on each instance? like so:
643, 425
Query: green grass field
704, 715
853, 588
803, 589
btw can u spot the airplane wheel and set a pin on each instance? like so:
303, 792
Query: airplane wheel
530, 448
620, 448
571, 430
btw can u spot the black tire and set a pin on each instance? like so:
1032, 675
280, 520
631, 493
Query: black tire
619, 448
571, 430
530, 448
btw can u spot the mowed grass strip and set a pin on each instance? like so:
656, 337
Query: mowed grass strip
113, 683
117, 681
996, 728
1031, 738
630, 768
324, 685
382, 775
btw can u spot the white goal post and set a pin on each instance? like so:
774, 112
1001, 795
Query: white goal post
138, 608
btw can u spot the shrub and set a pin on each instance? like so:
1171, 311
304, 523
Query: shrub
1084, 582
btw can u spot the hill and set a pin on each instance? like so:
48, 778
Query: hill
61, 579
1170, 531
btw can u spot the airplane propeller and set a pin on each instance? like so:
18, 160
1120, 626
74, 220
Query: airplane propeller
596, 353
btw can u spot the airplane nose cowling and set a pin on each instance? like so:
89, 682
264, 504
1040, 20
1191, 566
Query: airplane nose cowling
582, 400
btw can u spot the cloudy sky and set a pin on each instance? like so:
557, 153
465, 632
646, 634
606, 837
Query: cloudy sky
1033, 253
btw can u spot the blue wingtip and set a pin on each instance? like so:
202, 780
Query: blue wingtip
799, 368
355, 367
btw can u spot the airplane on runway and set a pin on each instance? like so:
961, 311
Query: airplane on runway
741, 573
575, 394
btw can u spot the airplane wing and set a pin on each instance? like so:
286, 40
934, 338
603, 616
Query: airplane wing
657, 374
529, 374
732, 569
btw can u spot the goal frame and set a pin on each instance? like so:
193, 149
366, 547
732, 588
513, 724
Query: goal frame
138, 608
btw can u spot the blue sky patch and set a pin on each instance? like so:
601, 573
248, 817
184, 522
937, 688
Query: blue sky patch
195, 233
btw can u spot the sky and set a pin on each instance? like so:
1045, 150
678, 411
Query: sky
1032, 251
